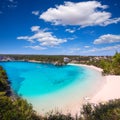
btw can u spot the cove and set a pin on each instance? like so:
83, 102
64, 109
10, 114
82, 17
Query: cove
48, 87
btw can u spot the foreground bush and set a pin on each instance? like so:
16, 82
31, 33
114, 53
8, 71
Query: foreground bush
107, 111
18, 109
111, 67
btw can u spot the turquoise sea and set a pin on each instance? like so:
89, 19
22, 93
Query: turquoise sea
40, 83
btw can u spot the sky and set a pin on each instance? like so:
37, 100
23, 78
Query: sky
58, 27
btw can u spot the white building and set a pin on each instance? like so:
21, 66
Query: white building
66, 59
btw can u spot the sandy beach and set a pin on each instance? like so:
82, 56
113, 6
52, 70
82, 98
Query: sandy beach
109, 90
70, 98
88, 66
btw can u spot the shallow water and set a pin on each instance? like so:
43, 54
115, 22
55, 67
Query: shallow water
48, 87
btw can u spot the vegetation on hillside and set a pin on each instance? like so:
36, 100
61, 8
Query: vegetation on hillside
111, 66
42, 58
4, 84
55, 58
18, 109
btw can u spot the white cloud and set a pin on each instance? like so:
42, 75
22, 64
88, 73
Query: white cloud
35, 28
70, 30
110, 21
43, 37
37, 47
72, 38
115, 47
108, 38
84, 14
25, 38
35, 13
86, 46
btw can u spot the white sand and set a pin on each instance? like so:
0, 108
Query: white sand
110, 90
34, 61
88, 66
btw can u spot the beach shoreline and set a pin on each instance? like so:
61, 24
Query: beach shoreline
108, 91
72, 98
88, 66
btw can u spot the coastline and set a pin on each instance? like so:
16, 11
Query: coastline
88, 66
108, 91
73, 97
